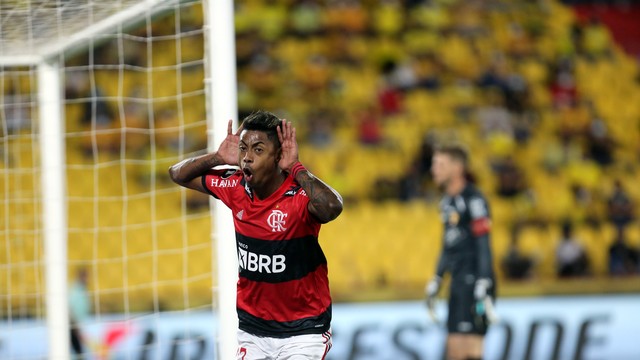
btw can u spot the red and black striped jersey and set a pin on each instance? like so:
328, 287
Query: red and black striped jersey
283, 287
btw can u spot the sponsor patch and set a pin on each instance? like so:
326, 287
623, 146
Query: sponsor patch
292, 191
454, 218
229, 173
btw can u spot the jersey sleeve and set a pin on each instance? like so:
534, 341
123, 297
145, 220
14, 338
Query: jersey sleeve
481, 228
480, 217
222, 184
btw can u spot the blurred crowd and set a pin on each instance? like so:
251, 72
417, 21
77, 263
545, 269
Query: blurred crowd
512, 72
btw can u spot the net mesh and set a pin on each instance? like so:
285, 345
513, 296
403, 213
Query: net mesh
134, 103
21, 283
26, 26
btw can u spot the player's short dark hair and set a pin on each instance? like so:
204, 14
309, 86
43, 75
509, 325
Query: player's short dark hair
456, 151
263, 121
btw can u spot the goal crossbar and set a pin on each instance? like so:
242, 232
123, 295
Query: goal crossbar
12, 51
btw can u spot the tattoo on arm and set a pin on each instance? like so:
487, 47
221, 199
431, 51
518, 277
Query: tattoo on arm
189, 169
324, 202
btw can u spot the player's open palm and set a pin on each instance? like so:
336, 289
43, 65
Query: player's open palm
288, 144
228, 150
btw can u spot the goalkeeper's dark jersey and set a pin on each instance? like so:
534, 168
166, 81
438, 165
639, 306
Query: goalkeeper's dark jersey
467, 222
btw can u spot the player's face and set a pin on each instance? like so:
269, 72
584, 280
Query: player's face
444, 168
257, 157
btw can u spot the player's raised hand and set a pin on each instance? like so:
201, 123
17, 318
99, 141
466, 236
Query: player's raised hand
288, 144
228, 149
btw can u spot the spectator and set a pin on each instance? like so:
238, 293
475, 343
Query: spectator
511, 181
585, 204
600, 145
494, 117
623, 259
306, 18
515, 265
389, 95
425, 155
97, 110
620, 207
516, 93
15, 107
79, 310
564, 91
571, 259
596, 41
410, 185
369, 127
428, 70
321, 125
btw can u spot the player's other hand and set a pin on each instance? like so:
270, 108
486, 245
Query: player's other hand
481, 288
228, 150
433, 287
288, 146
431, 291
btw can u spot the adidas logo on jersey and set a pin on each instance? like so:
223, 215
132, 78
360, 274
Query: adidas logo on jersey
240, 214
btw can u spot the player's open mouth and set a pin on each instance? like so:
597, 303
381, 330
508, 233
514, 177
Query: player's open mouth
248, 175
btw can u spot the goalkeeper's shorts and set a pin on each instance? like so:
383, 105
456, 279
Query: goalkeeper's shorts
463, 317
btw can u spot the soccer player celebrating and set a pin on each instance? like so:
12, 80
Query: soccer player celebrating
284, 305
466, 255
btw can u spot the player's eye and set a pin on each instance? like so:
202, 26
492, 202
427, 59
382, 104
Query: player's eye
259, 150
242, 148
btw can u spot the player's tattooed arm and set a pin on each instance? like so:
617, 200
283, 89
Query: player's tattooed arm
187, 170
187, 173
324, 202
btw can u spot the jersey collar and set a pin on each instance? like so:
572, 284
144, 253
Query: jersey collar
287, 188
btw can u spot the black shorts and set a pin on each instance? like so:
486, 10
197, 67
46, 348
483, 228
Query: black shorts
463, 318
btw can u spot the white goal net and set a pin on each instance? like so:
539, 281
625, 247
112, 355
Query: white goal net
137, 275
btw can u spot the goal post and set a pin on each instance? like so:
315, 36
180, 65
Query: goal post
41, 36
223, 103
54, 207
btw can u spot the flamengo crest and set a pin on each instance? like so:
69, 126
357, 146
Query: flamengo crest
277, 220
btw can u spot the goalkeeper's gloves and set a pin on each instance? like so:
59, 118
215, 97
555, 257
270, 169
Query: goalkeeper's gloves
484, 304
481, 289
432, 289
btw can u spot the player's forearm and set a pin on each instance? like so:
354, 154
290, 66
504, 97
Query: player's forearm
441, 268
325, 202
189, 169
484, 257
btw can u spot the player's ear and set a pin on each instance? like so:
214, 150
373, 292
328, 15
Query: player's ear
278, 154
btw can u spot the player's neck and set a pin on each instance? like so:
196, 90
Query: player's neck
455, 186
263, 192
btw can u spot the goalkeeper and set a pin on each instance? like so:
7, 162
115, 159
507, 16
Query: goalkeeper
466, 255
